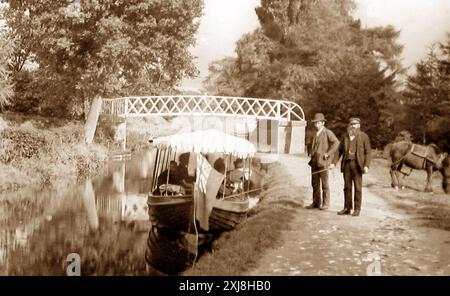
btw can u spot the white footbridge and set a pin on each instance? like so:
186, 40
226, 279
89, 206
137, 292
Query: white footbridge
285, 117
205, 106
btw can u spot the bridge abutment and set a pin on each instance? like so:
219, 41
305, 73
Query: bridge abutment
291, 137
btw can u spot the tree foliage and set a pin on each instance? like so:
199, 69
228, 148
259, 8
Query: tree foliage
88, 48
6, 82
315, 53
427, 97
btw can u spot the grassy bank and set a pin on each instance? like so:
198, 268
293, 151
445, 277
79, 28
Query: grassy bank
37, 152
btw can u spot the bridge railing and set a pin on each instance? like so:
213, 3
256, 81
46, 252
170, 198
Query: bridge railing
203, 105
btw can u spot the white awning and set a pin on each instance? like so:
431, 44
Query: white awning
207, 141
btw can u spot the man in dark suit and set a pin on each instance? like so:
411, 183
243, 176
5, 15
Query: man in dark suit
356, 155
324, 146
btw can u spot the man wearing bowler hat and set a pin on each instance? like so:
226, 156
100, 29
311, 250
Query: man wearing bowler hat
324, 147
356, 154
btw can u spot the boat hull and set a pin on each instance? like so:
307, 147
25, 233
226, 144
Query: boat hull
228, 214
175, 214
173, 244
171, 214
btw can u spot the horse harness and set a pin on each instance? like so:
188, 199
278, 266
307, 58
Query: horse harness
424, 157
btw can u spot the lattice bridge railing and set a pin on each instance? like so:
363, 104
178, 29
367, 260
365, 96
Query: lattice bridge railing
203, 105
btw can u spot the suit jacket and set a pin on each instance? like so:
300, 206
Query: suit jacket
363, 150
324, 143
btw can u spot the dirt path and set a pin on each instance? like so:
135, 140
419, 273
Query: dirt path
383, 238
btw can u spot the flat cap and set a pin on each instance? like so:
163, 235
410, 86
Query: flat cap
354, 120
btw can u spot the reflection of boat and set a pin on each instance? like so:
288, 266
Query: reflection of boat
206, 206
171, 255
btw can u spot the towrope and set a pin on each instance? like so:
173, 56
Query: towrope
374, 267
74, 267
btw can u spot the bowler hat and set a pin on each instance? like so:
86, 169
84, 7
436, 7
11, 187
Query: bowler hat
354, 120
319, 117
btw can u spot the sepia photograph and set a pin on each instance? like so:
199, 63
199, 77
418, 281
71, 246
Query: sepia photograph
234, 138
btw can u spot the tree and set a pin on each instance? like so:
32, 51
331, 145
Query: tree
223, 78
444, 67
315, 53
423, 93
427, 97
88, 48
6, 84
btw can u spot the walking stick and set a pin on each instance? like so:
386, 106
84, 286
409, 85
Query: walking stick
317, 172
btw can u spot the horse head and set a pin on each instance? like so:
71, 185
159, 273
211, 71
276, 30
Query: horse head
445, 170
442, 164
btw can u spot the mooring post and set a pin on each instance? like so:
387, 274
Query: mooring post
92, 120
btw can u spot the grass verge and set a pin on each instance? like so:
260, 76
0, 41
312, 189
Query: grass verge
238, 251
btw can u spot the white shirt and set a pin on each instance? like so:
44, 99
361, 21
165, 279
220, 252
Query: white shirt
351, 138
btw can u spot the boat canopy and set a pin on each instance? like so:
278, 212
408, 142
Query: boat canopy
207, 141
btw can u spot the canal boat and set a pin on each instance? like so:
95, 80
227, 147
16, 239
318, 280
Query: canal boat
217, 198
194, 200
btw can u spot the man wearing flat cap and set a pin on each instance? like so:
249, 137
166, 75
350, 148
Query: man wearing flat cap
356, 154
324, 147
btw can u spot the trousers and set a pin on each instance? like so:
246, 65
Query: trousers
317, 179
352, 178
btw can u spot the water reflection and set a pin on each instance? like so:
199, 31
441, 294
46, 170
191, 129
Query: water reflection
89, 204
105, 220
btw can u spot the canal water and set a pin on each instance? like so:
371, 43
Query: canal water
103, 221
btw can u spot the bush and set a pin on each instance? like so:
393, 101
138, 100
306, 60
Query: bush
88, 159
19, 143
26, 97
105, 133
46, 156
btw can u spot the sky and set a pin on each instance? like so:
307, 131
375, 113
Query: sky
421, 22
223, 23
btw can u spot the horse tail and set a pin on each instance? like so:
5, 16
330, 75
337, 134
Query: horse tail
391, 152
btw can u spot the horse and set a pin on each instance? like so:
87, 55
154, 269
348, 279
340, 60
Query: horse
420, 157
